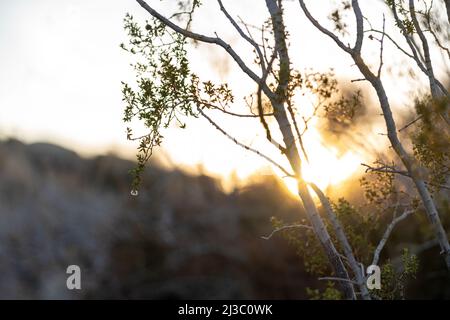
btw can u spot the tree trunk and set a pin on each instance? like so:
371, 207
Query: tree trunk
324, 238
278, 102
410, 164
340, 234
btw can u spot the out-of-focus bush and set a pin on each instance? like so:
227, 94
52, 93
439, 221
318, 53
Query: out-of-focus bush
182, 237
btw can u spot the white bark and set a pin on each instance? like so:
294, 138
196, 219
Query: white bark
292, 152
408, 161
386, 235
340, 234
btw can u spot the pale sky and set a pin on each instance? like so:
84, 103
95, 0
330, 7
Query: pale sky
61, 68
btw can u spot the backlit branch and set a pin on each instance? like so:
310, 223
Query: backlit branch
359, 27
340, 234
385, 169
409, 161
323, 29
337, 279
423, 61
234, 114
245, 146
387, 233
427, 16
206, 39
261, 110
381, 48
243, 35
291, 226
392, 169
426, 51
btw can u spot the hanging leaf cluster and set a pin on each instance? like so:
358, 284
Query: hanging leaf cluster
165, 90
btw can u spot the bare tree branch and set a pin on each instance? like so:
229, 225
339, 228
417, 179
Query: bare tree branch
243, 35
206, 39
359, 27
260, 107
234, 114
427, 16
245, 146
416, 53
381, 48
411, 164
435, 91
291, 226
391, 169
410, 124
387, 233
337, 279
322, 29
386, 169
340, 234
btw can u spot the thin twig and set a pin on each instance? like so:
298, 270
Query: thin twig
337, 279
284, 228
245, 146
206, 39
387, 233
410, 123
381, 48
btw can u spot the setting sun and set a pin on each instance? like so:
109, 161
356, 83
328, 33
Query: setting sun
326, 166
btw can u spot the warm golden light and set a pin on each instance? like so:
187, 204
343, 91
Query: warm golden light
326, 167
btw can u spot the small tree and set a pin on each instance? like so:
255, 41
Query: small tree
167, 90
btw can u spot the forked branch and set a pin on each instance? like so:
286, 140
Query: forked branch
203, 114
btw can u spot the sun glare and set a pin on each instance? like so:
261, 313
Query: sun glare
326, 165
